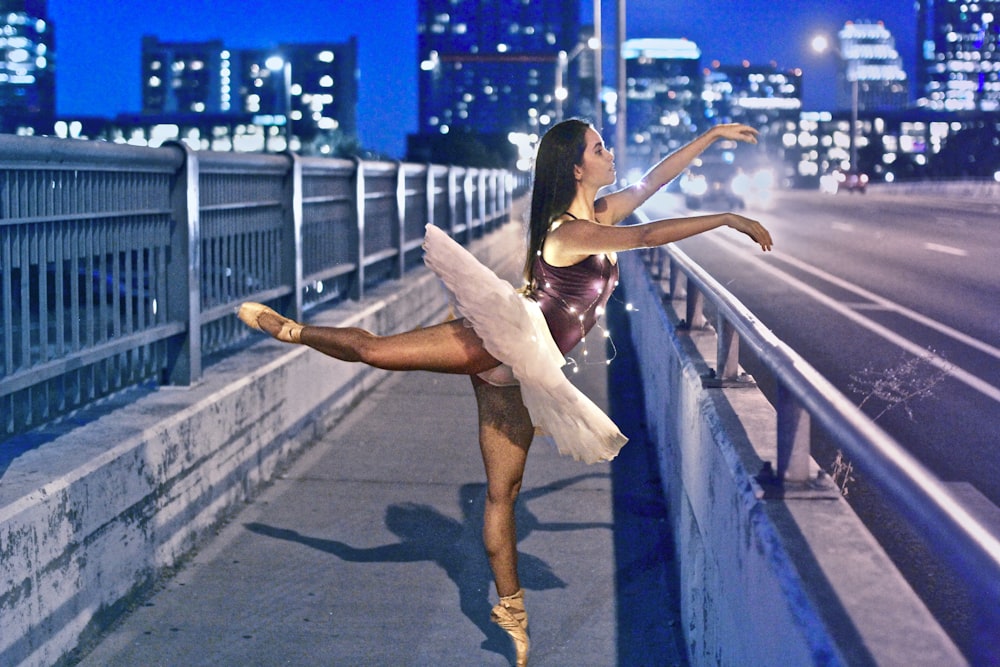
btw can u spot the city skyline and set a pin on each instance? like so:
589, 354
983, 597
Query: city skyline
101, 77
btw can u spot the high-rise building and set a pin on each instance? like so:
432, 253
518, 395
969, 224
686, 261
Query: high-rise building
27, 61
491, 67
185, 77
959, 58
753, 94
303, 93
664, 95
321, 93
869, 57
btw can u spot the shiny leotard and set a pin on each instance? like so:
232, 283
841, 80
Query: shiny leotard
571, 298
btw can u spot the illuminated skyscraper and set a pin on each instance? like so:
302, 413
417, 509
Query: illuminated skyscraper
324, 89
870, 57
959, 59
186, 79
27, 68
492, 66
664, 88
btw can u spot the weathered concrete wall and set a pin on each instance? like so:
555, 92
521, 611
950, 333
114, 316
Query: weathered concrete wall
100, 511
763, 581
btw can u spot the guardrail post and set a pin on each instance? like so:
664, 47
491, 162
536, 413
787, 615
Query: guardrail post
727, 350
400, 220
694, 306
292, 243
183, 269
793, 438
358, 289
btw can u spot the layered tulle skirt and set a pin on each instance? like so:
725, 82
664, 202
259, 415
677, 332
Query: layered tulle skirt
514, 331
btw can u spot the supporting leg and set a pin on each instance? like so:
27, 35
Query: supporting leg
505, 434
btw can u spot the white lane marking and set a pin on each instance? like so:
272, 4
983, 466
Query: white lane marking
946, 249
842, 226
963, 376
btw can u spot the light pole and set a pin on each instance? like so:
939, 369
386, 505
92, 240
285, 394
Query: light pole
621, 110
563, 60
821, 44
279, 64
598, 67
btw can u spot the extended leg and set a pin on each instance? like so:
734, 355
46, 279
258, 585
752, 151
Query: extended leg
505, 434
449, 347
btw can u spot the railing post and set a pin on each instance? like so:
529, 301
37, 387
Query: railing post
431, 195
358, 289
467, 192
694, 306
400, 220
452, 200
727, 350
481, 198
793, 438
292, 243
184, 275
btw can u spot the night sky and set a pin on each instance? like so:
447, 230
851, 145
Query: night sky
99, 43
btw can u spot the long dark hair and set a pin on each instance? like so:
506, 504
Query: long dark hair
554, 185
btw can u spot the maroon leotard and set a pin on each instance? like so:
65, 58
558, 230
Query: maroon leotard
564, 293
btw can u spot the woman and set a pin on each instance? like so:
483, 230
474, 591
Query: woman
512, 343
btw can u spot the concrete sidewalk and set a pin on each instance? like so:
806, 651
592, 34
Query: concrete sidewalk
367, 551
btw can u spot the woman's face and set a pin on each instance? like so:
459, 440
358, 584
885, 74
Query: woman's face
597, 168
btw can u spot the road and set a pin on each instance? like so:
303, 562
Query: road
896, 300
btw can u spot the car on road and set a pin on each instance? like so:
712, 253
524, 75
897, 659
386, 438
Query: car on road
720, 181
841, 181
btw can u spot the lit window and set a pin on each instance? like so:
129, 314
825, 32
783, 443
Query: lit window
326, 81
325, 56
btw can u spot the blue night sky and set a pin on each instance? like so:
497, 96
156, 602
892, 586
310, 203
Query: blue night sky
98, 43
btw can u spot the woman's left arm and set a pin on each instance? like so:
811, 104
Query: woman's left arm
615, 207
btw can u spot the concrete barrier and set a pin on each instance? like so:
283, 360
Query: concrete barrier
792, 580
95, 516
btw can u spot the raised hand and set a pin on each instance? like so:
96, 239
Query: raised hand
735, 132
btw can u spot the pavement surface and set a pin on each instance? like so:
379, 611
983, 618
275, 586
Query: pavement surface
366, 551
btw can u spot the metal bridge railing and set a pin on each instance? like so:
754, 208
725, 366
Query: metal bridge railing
123, 265
805, 397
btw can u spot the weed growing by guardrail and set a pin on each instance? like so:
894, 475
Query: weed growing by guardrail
912, 378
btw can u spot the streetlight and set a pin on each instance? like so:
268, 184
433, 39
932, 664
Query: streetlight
278, 64
562, 66
821, 44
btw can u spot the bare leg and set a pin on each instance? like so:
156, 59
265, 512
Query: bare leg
449, 347
505, 434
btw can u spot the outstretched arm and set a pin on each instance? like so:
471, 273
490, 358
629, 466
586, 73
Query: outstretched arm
576, 239
617, 206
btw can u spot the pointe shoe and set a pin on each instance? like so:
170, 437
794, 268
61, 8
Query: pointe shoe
250, 312
511, 615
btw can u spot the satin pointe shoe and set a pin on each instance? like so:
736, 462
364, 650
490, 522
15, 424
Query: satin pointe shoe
250, 313
511, 615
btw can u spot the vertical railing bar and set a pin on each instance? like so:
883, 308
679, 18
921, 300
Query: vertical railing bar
400, 220
359, 229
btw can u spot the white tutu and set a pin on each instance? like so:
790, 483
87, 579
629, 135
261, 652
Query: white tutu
513, 330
